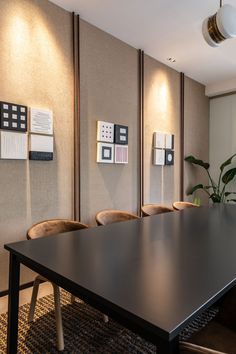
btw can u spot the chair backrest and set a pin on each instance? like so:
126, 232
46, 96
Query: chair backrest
106, 217
184, 205
53, 227
154, 209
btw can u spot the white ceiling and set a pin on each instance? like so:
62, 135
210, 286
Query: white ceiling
164, 28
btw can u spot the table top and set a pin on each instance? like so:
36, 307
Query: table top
159, 270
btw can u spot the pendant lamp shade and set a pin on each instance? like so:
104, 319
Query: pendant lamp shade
220, 26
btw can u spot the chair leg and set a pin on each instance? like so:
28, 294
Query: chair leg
59, 327
33, 299
72, 298
105, 318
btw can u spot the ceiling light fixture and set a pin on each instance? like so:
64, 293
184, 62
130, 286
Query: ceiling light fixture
220, 26
172, 60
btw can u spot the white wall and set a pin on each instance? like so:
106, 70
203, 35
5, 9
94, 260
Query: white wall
222, 133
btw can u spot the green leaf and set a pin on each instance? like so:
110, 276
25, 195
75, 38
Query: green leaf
228, 193
229, 175
195, 188
192, 159
227, 162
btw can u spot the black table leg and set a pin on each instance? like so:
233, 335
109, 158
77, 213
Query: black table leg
165, 347
13, 304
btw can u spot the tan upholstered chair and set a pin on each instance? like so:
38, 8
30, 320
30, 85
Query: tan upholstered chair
47, 228
154, 209
106, 217
184, 205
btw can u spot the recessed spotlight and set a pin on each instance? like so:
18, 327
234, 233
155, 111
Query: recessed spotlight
171, 60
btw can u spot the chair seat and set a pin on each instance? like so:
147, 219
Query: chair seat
214, 336
154, 209
106, 217
184, 205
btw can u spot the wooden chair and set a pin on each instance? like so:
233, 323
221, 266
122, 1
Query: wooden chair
219, 335
42, 229
154, 209
106, 217
184, 205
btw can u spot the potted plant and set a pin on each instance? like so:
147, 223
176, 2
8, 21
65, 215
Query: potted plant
217, 192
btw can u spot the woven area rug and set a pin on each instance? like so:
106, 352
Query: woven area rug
84, 330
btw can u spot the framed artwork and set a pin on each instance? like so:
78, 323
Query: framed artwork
159, 140
105, 131
169, 141
40, 147
13, 117
169, 157
121, 154
14, 145
121, 134
158, 157
41, 121
105, 153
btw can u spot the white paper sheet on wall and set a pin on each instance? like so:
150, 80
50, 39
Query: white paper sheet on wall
41, 143
41, 121
13, 145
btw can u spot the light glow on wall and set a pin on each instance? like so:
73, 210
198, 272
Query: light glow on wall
159, 101
19, 33
33, 51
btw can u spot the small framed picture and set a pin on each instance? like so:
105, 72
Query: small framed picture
121, 134
105, 153
121, 154
105, 131
158, 157
169, 157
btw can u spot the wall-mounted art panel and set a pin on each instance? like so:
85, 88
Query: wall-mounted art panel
169, 157
121, 154
41, 121
13, 145
159, 140
169, 141
121, 134
159, 157
40, 147
13, 117
163, 144
105, 131
105, 153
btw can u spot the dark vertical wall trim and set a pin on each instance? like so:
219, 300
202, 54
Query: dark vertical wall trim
76, 56
141, 128
181, 136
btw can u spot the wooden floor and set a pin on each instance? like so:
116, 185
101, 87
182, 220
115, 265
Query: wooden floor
25, 296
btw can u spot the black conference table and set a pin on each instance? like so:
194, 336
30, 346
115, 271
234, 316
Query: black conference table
152, 275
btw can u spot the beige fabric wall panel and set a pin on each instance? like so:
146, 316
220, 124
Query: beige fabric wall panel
109, 92
36, 69
196, 135
161, 114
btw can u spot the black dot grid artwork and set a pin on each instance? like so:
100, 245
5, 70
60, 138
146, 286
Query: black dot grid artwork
106, 133
121, 134
169, 157
13, 117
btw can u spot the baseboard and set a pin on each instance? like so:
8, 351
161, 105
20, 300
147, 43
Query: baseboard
22, 287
